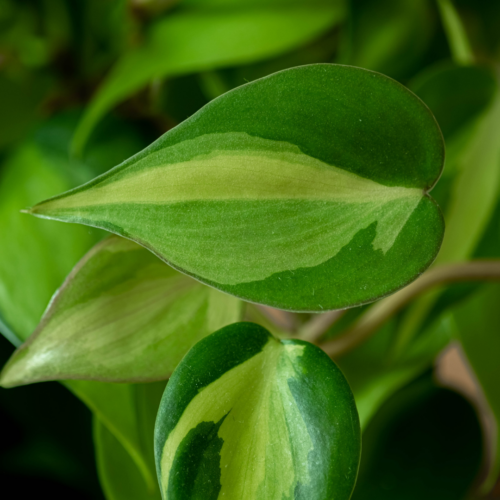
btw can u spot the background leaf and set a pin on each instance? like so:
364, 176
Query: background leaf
425, 442
39, 450
476, 188
121, 315
119, 475
36, 256
29, 273
197, 40
389, 36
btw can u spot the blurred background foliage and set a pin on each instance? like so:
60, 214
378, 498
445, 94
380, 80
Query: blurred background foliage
84, 84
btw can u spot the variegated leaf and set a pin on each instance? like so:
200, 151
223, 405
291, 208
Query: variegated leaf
247, 417
121, 315
305, 190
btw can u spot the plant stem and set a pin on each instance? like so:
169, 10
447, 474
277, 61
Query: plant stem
376, 316
314, 329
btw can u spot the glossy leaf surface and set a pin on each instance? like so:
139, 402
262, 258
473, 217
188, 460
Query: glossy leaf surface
121, 315
286, 191
246, 416
198, 40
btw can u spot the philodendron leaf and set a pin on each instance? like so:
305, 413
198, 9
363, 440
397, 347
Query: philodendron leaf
121, 315
305, 190
246, 416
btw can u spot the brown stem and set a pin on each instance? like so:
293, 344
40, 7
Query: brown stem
376, 316
282, 319
316, 327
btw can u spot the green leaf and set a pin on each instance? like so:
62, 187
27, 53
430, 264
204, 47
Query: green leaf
30, 273
476, 187
473, 197
20, 99
125, 411
455, 94
189, 41
36, 256
121, 315
424, 443
478, 325
246, 416
118, 473
389, 36
375, 376
305, 190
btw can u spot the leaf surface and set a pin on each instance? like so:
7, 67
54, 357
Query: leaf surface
246, 416
121, 315
198, 40
29, 273
305, 190
120, 477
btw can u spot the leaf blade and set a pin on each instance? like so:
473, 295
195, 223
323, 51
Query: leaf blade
227, 184
123, 316
235, 388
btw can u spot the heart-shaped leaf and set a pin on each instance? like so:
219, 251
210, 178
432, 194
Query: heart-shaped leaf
305, 190
246, 416
121, 315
